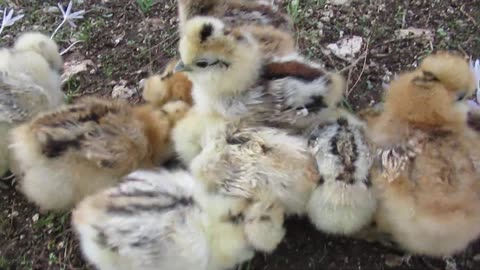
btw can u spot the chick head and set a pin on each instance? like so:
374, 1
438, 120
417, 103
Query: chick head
216, 57
43, 45
432, 96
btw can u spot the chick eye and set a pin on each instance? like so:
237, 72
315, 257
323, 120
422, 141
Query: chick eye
202, 64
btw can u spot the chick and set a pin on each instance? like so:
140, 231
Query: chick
427, 171
165, 220
20, 99
66, 154
249, 162
231, 78
172, 85
234, 13
36, 56
169, 86
343, 202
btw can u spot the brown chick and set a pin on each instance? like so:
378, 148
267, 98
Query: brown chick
72, 152
169, 86
235, 13
427, 170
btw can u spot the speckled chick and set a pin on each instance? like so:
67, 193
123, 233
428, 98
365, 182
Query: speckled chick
235, 13
66, 154
343, 202
427, 170
251, 162
165, 220
36, 56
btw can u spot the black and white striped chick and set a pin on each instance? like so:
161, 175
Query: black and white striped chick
251, 162
66, 154
235, 13
343, 202
165, 220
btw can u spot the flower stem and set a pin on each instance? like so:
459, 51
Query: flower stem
1, 28
58, 28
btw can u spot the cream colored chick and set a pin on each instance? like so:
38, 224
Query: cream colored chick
20, 99
235, 13
250, 162
76, 150
343, 202
171, 85
36, 56
427, 178
231, 78
165, 220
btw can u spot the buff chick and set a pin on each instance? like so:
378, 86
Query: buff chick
165, 220
426, 173
66, 154
251, 162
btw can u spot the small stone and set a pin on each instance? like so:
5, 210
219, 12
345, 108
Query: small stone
122, 91
477, 257
346, 48
35, 218
14, 214
51, 10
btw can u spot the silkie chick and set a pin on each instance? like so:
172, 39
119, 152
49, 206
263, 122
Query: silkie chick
66, 154
165, 220
427, 170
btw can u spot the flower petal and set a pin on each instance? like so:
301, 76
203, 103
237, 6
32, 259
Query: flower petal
61, 9
69, 7
71, 23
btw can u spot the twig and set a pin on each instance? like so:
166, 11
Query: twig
361, 72
468, 15
69, 47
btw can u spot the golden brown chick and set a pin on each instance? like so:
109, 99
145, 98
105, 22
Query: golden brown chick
66, 154
169, 86
235, 13
427, 171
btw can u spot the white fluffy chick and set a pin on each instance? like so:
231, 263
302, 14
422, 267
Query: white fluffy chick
343, 202
250, 162
230, 77
66, 154
38, 57
165, 220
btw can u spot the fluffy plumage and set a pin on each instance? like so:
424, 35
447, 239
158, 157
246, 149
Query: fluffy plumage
66, 154
169, 86
235, 13
343, 202
165, 220
36, 55
427, 172
250, 162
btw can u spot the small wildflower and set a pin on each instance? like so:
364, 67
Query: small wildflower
8, 19
68, 16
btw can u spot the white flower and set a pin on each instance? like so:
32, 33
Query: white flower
68, 16
8, 20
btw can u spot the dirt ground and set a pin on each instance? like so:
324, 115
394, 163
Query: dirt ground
123, 42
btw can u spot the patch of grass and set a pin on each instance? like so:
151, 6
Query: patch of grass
293, 9
145, 5
72, 87
3, 261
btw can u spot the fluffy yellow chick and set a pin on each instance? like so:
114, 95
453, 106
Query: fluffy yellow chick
343, 202
38, 57
66, 154
235, 13
427, 173
251, 161
232, 81
171, 85
165, 220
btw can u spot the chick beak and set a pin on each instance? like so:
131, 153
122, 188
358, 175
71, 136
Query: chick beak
181, 67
